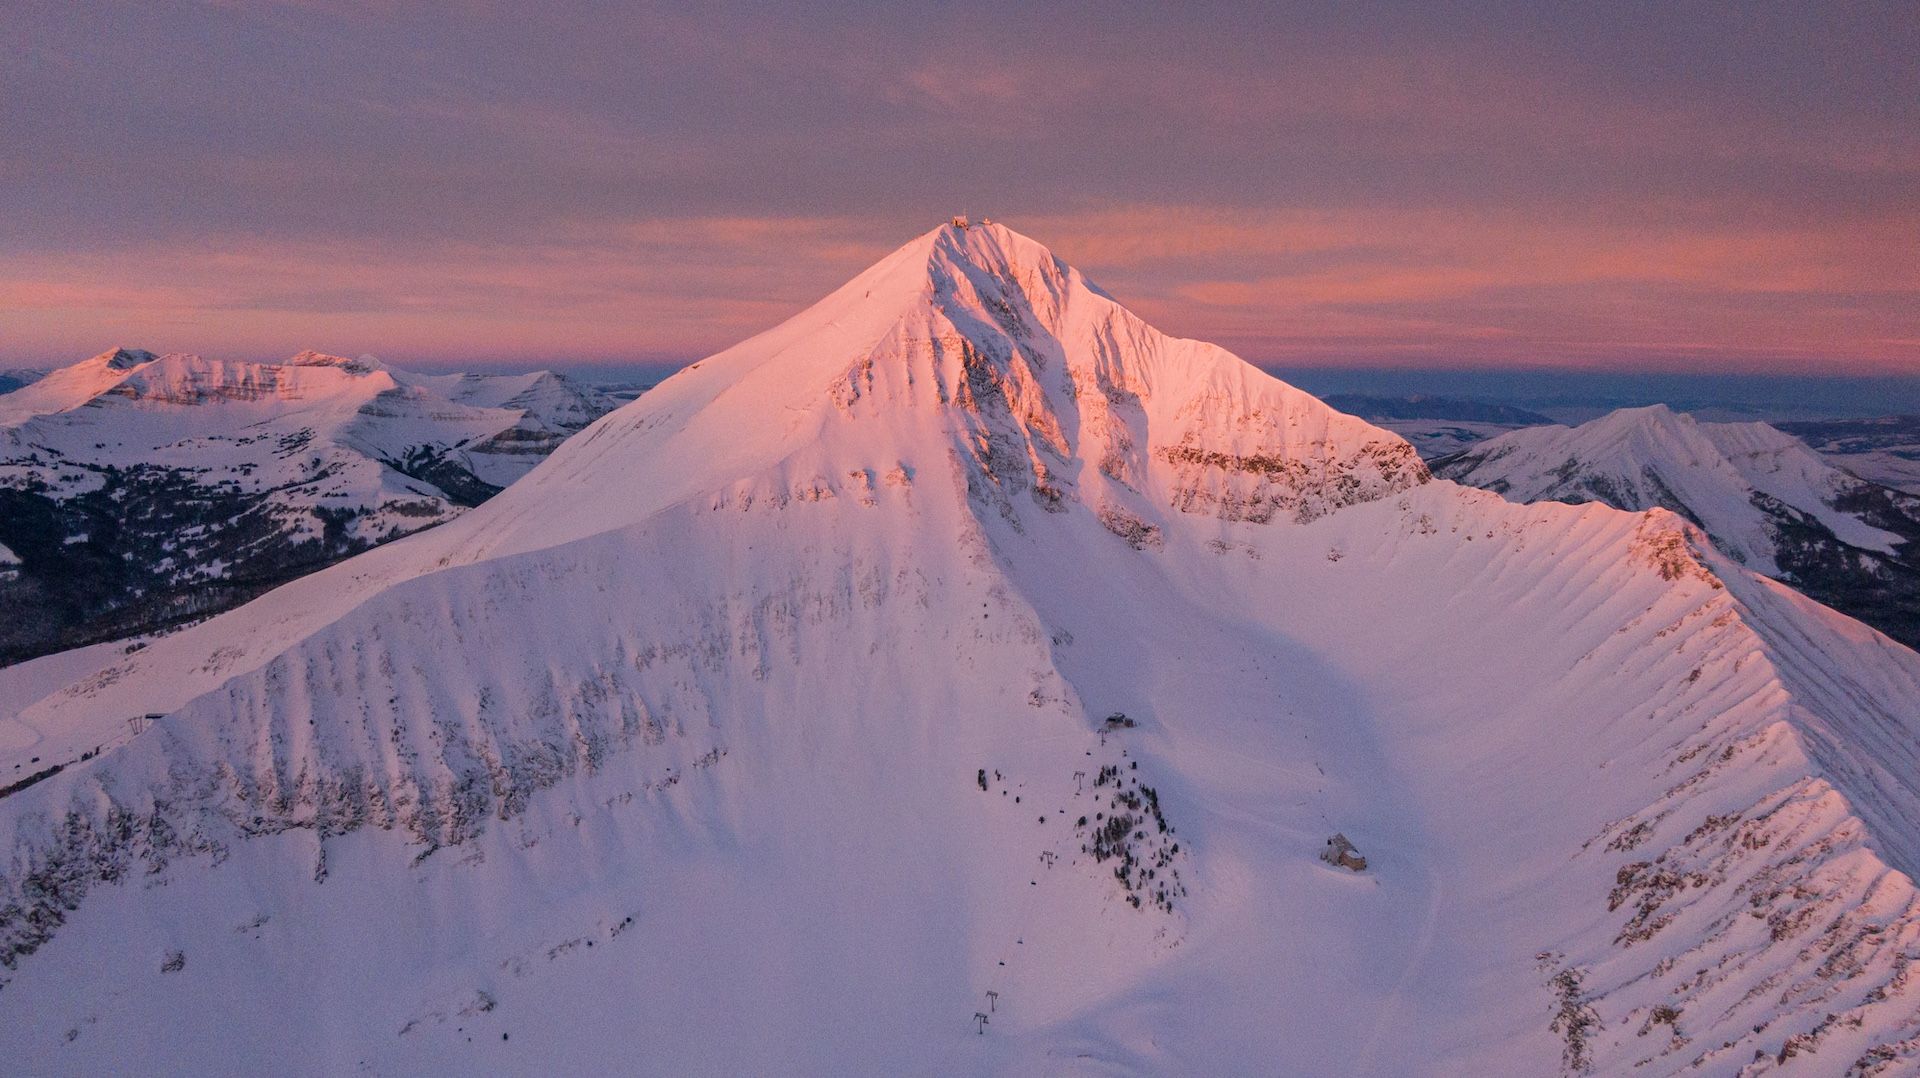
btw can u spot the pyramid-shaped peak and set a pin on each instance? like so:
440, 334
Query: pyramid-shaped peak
976, 344
993, 248
1652, 417
975, 275
937, 260
966, 304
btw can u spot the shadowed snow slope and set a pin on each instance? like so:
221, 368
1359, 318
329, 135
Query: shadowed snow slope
765, 727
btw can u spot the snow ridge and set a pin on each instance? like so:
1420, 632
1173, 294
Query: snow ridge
1764, 498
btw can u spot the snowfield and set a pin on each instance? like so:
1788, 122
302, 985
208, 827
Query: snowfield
963, 677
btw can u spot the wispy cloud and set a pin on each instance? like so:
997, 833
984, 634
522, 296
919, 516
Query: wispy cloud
1298, 181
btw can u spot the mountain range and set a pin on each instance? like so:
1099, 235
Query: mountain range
1437, 426
13, 379
139, 490
965, 677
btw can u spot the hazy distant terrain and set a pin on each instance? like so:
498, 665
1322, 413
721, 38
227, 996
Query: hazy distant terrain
1885, 449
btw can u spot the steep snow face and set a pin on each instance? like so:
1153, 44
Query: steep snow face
1763, 497
964, 677
138, 490
976, 344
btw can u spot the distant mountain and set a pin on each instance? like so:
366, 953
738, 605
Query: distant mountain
71, 387
137, 490
1760, 494
964, 677
15, 378
1884, 450
624, 391
1437, 426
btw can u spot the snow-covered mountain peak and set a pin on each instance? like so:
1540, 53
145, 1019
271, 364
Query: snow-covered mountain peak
1636, 435
973, 348
186, 473
72, 386
122, 359
179, 378
1763, 497
192, 380
992, 254
1645, 420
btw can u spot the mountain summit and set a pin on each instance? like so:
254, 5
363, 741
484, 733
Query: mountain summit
964, 677
976, 348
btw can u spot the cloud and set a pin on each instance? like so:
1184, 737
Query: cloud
1325, 287
1297, 179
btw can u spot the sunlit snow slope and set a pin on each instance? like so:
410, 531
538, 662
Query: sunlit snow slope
1762, 496
963, 677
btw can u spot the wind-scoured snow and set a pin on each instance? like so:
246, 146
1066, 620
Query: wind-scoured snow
70, 387
1761, 495
963, 677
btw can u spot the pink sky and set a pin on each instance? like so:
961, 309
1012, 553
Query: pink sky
1629, 189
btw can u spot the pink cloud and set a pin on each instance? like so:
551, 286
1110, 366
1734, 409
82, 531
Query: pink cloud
1303, 286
